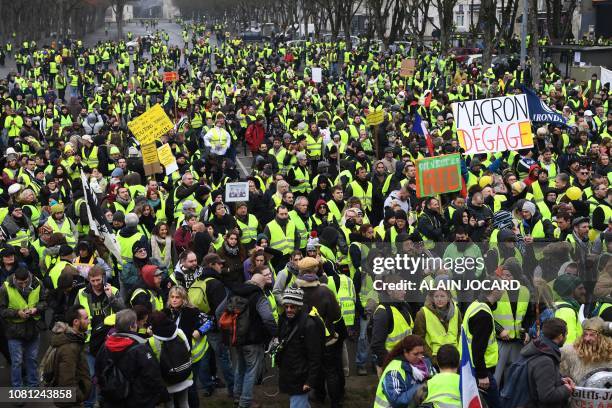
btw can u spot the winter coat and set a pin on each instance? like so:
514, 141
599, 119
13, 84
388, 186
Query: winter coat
29, 329
324, 300
573, 366
546, 388
299, 362
71, 365
255, 134
233, 270
135, 359
130, 275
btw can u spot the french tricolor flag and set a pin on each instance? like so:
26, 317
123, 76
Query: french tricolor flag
419, 128
469, 388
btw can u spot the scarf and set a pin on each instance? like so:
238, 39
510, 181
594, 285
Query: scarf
154, 203
419, 371
231, 250
157, 244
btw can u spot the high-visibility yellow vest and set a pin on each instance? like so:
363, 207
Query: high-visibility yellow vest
124, 209
381, 401
345, 295
218, 138
302, 228
503, 312
568, 314
401, 328
601, 307
273, 305
364, 196
313, 147
56, 271
83, 300
198, 349
17, 302
303, 187
156, 301
126, 243
282, 241
91, 161
436, 335
65, 229
334, 210
491, 353
538, 194
249, 230
443, 391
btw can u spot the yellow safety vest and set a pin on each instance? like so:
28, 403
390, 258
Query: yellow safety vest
126, 245
364, 196
491, 353
65, 229
381, 400
568, 314
303, 187
302, 228
156, 346
503, 312
56, 271
218, 138
401, 328
17, 302
83, 300
436, 335
345, 295
443, 391
249, 230
282, 241
156, 300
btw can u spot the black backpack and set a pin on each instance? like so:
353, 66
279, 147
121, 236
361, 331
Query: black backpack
114, 385
235, 321
516, 393
174, 359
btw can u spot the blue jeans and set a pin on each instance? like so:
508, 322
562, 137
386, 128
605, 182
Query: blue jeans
24, 352
299, 401
247, 360
91, 361
363, 346
202, 372
221, 352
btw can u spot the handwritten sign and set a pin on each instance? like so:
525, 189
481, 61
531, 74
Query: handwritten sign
167, 159
375, 118
584, 397
438, 175
170, 76
151, 125
493, 124
150, 160
408, 67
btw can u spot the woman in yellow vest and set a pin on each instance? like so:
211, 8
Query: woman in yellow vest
438, 321
195, 324
405, 372
148, 292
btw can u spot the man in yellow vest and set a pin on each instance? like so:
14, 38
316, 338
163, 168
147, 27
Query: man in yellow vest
148, 291
443, 388
282, 232
99, 299
217, 140
361, 188
21, 307
479, 329
573, 294
60, 223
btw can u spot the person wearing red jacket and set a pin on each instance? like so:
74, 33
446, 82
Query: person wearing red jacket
255, 134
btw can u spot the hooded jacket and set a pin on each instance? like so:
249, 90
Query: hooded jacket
135, 359
71, 365
546, 387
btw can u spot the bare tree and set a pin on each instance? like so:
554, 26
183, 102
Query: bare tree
447, 25
559, 19
534, 48
417, 17
496, 26
383, 10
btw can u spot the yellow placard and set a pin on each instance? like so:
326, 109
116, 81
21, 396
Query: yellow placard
164, 152
151, 125
149, 154
375, 118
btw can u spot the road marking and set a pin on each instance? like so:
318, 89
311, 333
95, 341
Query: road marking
242, 166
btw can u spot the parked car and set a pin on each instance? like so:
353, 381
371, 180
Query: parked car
462, 54
504, 63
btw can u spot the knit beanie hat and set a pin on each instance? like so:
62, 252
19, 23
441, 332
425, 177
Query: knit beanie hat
57, 208
161, 325
293, 297
565, 284
502, 219
529, 206
138, 245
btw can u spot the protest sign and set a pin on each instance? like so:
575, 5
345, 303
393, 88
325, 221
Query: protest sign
375, 118
584, 397
170, 76
317, 75
438, 175
236, 192
493, 124
151, 125
407, 68
167, 159
150, 160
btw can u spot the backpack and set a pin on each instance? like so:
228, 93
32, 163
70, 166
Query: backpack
174, 359
114, 386
515, 392
48, 368
235, 321
197, 295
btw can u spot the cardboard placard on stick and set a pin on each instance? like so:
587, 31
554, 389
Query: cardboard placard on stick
375, 118
408, 67
150, 160
167, 159
151, 125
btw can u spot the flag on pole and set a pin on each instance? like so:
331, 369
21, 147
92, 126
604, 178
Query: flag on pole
97, 222
419, 128
469, 389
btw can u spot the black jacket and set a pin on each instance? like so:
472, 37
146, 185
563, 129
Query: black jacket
190, 319
299, 359
135, 359
215, 289
546, 389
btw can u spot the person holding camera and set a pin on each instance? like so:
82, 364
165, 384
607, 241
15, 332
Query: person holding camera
300, 350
